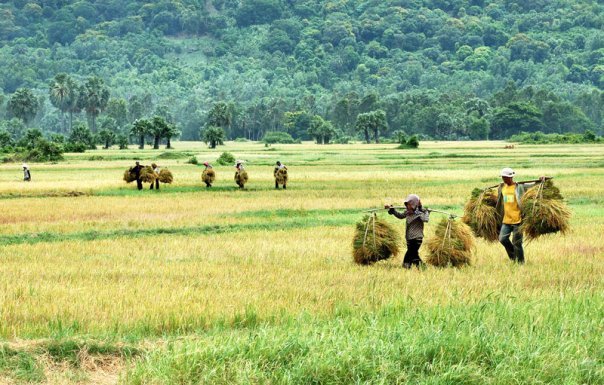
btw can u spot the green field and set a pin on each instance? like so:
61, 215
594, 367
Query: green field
103, 284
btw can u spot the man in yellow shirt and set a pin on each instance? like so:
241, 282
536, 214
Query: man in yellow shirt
508, 205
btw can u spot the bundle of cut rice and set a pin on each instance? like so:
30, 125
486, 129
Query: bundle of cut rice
165, 176
208, 176
374, 240
148, 175
451, 245
481, 215
241, 177
281, 176
129, 176
544, 211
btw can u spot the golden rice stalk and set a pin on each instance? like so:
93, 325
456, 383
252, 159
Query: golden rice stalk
481, 215
241, 177
374, 240
165, 176
281, 176
544, 211
129, 176
208, 176
451, 245
148, 175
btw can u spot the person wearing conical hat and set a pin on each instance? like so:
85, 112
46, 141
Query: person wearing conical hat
415, 216
156, 170
239, 167
26, 173
279, 166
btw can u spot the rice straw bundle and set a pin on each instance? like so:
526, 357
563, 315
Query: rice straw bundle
241, 177
148, 175
129, 176
481, 215
281, 176
165, 176
451, 245
374, 240
544, 211
208, 176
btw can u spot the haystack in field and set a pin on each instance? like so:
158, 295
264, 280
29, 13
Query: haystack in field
148, 175
165, 176
129, 176
544, 211
208, 176
481, 215
241, 178
281, 176
374, 240
451, 245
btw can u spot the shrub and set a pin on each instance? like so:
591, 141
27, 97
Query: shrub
278, 137
225, 158
412, 142
193, 160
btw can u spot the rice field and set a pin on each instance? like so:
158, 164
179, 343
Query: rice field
104, 284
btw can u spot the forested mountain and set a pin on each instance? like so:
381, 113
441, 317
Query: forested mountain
446, 69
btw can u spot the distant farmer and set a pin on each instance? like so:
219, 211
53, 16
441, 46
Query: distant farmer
280, 174
26, 173
208, 174
240, 174
156, 171
508, 206
415, 216
137, 173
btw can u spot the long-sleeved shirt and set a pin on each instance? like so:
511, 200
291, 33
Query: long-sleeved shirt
415, 222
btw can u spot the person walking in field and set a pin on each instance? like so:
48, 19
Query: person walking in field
280, 174
156, 171
208, 174
415, 216
240, 175
508, 206
137, 173
26, 173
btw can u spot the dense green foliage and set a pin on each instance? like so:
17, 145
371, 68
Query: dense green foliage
449, 69
541, 138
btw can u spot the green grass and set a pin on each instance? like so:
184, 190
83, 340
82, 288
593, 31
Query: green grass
497, 341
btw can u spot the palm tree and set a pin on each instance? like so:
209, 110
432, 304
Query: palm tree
23, 105
158, 126
61, 92
107, 136
140, 128
96, 98
169, 132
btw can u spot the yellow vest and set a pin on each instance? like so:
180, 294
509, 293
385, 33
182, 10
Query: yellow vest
511, 210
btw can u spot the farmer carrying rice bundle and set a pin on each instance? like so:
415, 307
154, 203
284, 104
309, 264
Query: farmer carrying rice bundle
209, 175
240, 174
156, 170
415, 216
509, 207
280, 174
136, 171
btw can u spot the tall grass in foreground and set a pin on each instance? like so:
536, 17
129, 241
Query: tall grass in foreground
497, 341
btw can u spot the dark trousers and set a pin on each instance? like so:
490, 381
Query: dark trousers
139, 184
156, 184
412, 254
513, 247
